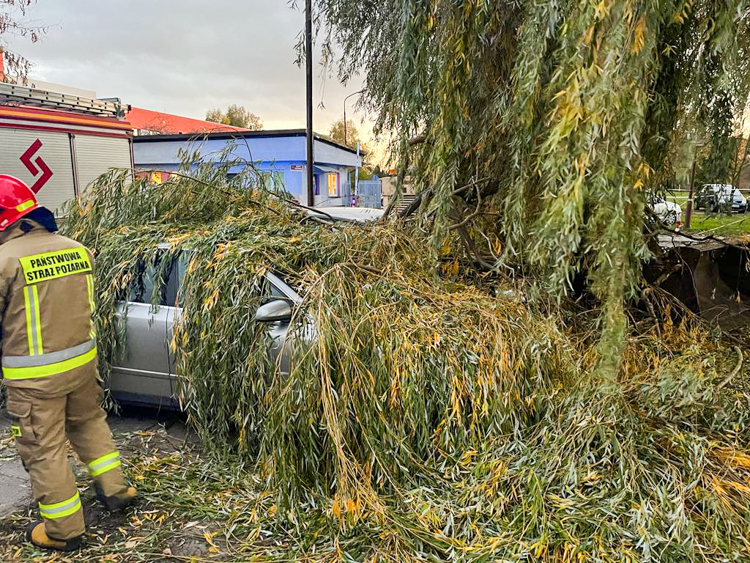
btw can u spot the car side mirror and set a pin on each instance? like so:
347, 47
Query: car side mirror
273, 311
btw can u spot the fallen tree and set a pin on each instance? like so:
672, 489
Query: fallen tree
544, 128
428, 418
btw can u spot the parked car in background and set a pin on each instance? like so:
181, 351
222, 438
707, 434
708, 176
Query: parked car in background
146, 374
720, 197
668, 212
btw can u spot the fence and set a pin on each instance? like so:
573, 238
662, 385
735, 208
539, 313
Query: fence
369, 194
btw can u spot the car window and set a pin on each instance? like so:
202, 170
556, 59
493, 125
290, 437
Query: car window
179, 268
176, 275
142, 288
279, 288
274, 291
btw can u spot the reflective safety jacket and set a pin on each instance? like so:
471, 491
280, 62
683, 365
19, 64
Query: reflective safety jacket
46, 302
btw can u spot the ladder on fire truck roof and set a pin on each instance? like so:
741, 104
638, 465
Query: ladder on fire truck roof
12, 94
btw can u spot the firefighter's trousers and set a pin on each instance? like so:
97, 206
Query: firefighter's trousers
41, 425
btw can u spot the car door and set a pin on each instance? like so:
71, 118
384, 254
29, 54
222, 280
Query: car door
144, 374
147, 374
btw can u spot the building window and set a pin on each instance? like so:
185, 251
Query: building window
271, 180
334, 185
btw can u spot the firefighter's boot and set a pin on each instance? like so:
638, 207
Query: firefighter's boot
37, 534
118, 501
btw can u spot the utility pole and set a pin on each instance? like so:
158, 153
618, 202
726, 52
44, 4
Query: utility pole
356, 175
309, 77
689, 206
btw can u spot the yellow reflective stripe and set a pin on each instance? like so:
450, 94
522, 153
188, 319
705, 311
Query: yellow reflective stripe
49, 369
29, 326
92, 304
103, 464
90, 287
33, 319
108, 467
37, 320
60, 504
61, 509
48, 358
25, 205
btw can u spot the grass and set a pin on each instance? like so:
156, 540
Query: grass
718, 224
735, 224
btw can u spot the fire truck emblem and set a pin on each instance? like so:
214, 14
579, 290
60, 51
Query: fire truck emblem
36, 166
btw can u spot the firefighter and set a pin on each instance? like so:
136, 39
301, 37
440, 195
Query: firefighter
49, 367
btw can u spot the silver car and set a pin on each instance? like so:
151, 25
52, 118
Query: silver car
147, 373
721, 197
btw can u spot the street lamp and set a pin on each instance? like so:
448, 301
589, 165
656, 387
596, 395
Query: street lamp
349, 96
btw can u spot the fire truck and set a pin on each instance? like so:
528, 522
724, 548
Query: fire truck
59, 143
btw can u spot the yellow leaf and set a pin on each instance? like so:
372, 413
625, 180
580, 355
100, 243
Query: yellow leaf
589, 35
639, 36
208, 536
601, 10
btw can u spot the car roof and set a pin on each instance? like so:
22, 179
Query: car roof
345, 214
350, 214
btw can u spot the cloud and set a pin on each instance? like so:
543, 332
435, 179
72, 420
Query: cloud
183, 57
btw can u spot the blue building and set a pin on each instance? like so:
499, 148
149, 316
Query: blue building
279, 153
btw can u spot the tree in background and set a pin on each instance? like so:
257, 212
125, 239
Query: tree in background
535, 131
336, 133
237, 116
13, 23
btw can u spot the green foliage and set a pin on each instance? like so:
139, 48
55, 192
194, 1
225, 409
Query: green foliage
237, 116
336, 133
423, 417
544, 124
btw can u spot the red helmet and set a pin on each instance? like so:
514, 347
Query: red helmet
16, 200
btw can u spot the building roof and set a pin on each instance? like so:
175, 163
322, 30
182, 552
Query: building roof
159, 122
241, 134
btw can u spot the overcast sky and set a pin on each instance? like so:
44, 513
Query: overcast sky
184, 56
